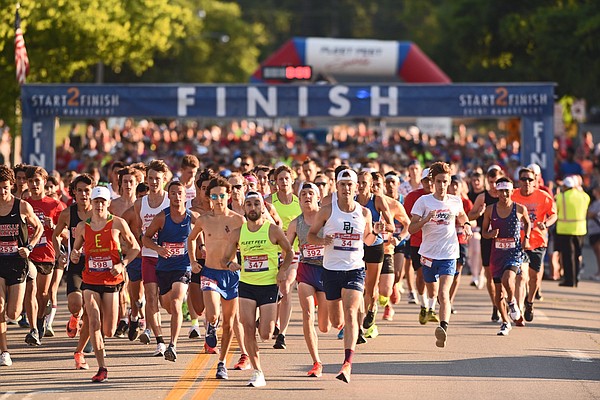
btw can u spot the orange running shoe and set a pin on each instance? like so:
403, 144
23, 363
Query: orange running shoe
388, 313
101, 375
316, 371
80, 362
243, 363
344, 374
210, 350
73, 326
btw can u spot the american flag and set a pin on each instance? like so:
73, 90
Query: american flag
21, 59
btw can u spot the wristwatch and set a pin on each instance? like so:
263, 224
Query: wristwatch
29, 247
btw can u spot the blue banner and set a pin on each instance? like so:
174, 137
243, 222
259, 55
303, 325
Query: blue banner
533, 102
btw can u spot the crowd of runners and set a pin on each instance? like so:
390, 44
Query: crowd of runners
231, 249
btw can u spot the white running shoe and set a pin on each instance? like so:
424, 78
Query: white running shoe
145, 336
160, 350
257, 380
194, 332
5, 360
515, 312
504, 329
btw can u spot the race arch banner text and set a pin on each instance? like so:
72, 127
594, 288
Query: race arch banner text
532, 102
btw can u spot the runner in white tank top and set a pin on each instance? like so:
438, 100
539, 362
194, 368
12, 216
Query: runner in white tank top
147, 214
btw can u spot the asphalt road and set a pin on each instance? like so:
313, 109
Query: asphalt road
557, 356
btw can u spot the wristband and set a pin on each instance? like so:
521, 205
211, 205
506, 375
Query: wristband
466, 223
228, 263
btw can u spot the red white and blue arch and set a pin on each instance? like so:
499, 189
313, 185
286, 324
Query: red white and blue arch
358, 57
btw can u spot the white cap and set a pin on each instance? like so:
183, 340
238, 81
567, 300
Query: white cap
535, 168
101, 192
494, 167
425, 174
570, 182
347, 175
309, 185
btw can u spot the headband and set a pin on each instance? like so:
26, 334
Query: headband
504, 186
253, 195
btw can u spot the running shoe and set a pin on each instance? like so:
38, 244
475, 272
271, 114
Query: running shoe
41, 325
520, 321
432, 316
80, 362
495, 315
73, 326
340, 334
221, 371
23, 323
101, 376
243, 363
257, 379
316, 371
210, 350
412, 299
514, 311
344, 374
383, 301
145, 336
33, 338
423, 316
194, 332
275, 331
528, 311
369, 319
211, 335
441, 336
539, 296
49, 331
122, 328
134, 330
361, 337
89, 348
504, 329
475, 283
372, 332
170, 353
5, 360
388, 313
395, 297
280, 342
160, 350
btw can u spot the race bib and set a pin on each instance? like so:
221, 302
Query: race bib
100, 264
312, 251
176, 249
426, 262
7, 248
346, 241
505, 243
256, 263
208, 284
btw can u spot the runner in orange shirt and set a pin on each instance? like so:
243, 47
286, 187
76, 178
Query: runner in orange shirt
542, 213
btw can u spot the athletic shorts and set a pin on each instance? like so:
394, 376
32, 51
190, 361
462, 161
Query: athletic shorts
403, 247
262, 295
486, 251
149, 269
373, 254
166, 279
222, 281
388, 264
498, 272
196, 276
415, 257
102, 288
433, 269
335, 281
73, 276
536, 258
134, 270
462, 258
44, 268
311, 275
13, 270
594, 239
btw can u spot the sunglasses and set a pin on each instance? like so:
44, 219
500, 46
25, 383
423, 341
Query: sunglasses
245, 164
526, 179
321, 184
238, 187
216, 196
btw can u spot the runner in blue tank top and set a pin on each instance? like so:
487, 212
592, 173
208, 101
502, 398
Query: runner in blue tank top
502, 223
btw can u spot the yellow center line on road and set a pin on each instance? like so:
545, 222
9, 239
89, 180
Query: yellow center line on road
208, 386
189, 376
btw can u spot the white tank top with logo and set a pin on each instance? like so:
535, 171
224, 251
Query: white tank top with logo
346, 252
147, 214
